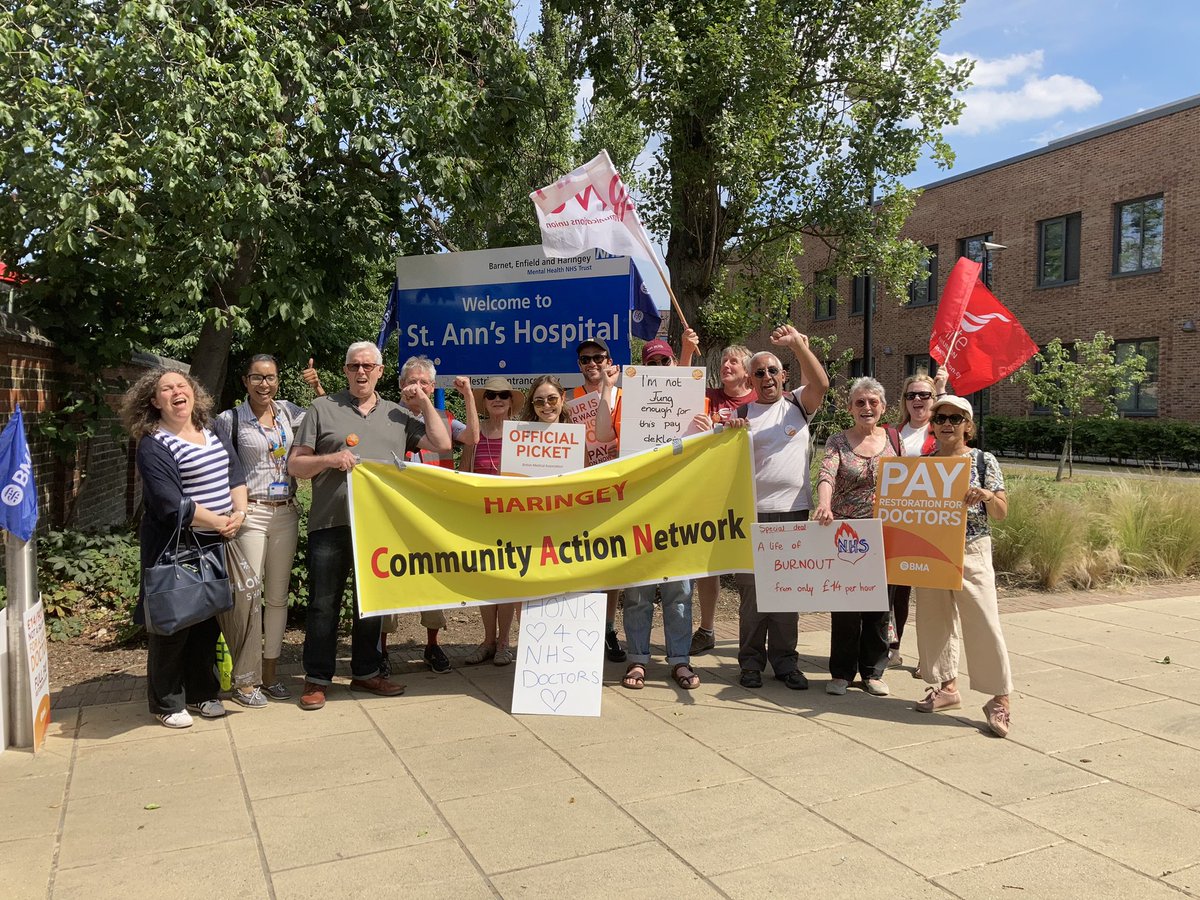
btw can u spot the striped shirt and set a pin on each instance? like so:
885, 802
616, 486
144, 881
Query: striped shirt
487, 455
257, 447
204, 471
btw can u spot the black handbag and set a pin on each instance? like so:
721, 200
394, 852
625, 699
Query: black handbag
188, 584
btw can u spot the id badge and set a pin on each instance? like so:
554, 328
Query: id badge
279, 490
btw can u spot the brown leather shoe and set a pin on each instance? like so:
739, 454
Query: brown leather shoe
377, 685
313, 695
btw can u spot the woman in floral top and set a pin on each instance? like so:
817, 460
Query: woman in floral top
845, 490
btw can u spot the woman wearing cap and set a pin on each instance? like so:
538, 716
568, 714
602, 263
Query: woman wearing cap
975, 603
846, 490
499, 401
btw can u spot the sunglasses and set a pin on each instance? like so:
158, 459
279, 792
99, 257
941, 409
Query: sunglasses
769, 370
597, 358
539, 402
364, 367
497, 395
952, 418
659, 361
263, 379
918, 395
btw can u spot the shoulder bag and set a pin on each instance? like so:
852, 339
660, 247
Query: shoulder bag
188, 584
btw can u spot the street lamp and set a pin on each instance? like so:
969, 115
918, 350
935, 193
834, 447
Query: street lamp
988, 249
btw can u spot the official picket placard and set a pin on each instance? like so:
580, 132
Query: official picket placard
807, 567
426, 538
39, 673
920, 502
560, 656
658, 404
512, 311
582, 411
536, 449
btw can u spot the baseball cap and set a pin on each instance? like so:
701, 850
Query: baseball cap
962, 404
592, 342
656, 347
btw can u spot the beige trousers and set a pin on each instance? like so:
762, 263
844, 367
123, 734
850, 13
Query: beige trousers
268, 538
979, 613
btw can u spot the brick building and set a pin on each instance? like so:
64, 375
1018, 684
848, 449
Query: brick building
1101, 232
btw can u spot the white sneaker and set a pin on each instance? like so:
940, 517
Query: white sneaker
181, 719
876, 686
837, 686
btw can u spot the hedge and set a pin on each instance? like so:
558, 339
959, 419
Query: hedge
1155, 442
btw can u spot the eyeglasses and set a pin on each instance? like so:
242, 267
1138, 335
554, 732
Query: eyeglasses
917, 395
660, 361
263, 379
769, 370
868, 401
363, 367
953, 419
597, 358
497, 395
539, 402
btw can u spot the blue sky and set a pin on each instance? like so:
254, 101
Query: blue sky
1049, 68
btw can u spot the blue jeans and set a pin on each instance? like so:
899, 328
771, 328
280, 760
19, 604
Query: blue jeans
330, 559
677, 620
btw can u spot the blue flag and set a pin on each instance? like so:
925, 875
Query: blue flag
18, 509
389, 323
645, 318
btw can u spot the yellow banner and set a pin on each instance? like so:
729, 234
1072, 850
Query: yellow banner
920, 501
425, 537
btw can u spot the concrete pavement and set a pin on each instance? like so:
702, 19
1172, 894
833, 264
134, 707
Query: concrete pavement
721, 792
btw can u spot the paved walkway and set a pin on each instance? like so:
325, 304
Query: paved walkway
723, 792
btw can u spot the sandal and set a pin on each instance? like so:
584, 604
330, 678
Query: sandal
634, 681
504, 656
688, 682
480, 654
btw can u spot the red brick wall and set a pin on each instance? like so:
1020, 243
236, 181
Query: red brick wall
1088, 177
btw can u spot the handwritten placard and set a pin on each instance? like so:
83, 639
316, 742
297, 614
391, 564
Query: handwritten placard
806, 567
582, 411
560, 664
658, 405
39, 673
920, 502
535, 449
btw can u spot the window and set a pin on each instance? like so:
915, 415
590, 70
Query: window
1058, 250
825, 295
856, 368
919, 362
1072, 356
972, 248
1143, 399
922, 290
1138, 236
864, 287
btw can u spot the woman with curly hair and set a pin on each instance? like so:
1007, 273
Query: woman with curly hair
191, 478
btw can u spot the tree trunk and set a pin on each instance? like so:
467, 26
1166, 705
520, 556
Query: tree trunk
1064, 459
210, 360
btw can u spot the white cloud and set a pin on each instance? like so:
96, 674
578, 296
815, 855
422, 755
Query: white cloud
991, 103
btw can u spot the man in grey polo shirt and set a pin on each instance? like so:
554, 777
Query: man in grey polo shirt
340, 430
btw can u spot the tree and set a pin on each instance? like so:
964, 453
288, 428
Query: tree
773, 121
1086, 376
241, 160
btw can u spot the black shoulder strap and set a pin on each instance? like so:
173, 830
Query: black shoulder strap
743, 410
981, 469
795, 401
893, 438
233, 428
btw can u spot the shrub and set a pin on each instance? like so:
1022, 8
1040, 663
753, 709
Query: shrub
1152, 442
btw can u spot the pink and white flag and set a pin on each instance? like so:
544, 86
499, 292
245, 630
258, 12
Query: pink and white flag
591, 207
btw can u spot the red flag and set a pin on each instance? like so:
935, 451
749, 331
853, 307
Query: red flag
975, 337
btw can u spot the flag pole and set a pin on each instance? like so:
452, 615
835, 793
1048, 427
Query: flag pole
21, 566
662, 273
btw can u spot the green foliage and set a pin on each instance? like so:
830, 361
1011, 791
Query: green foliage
1087, 376
80, 574
1148, 442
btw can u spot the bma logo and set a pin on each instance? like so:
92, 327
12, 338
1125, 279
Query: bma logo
850, 547
971, 322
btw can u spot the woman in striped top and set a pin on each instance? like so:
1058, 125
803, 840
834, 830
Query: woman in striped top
186, 470
500, 401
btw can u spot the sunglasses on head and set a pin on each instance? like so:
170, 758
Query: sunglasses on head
585, 358
769, 370
952, 418
918, 395
539, 402
365, 367
497, 395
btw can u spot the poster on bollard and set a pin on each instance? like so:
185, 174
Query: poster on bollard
582, 411
3, 679
920, 502
39, 673
658, 404
807, 567
535, 449
560, 656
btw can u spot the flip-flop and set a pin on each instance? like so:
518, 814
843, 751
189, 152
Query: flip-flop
632, 681
687, 682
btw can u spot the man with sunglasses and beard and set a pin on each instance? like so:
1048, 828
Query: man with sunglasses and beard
782, 448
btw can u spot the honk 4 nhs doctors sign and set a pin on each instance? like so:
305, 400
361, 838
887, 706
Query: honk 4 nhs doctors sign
426, 538
924, 519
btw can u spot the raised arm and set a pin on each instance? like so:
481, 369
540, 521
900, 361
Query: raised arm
812, 373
